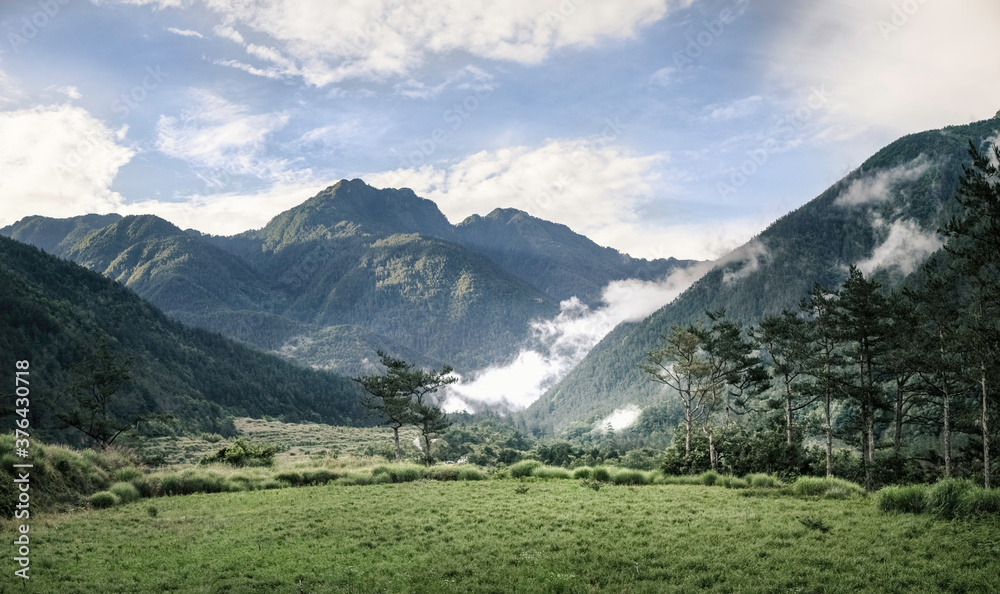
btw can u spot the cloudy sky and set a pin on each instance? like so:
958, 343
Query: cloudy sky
659, 127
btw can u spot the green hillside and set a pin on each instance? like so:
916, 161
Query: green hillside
57, 314
907, 186
383, 267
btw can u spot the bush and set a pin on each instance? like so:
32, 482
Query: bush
639, 460
551, 472
829, 488
291, 477
103, 499
242, 452
406, 474
469, 473
732, 482
524, 468
583, 472
126, 492
911, 499
945, 497
320, 476
601, 474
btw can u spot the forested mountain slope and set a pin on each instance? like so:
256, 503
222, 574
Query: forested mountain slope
57, 314
882, 217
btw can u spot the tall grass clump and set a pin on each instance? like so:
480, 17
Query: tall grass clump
601, 474
625, 476
551, 472
103, 499
980, 502
709, 478
910, 499
524, 468
944, 498
732, 482
126, 492
760, 480
582, 473
828, 488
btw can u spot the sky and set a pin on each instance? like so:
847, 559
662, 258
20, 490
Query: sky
659, 127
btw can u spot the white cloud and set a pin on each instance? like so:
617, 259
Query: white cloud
901, 66
216, 134
870, 189
551, 182
333, 41
663, 76
227, 32
230, 213
748, 259
57, 160
740, 108
561, 343
621, 418
906, 247
185, 32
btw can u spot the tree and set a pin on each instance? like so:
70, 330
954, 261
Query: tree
863, 322
974, 240
822, 366
98, 385
785, 337
735, 372
403, 396
681, 365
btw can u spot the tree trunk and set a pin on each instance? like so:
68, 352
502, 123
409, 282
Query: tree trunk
986, 427
788, 412
898, 438
829, 437
712, 457
866, 440
427, 447
687, 427
395, 437
946, 433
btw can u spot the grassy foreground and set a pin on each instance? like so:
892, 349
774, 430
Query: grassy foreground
491, 536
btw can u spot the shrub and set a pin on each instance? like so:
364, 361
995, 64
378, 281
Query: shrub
911, 499
944, 498
320, 476
639, 460
126, 492
583, 472
242, 452
103, 499
601, 474
524, 468
444, 473
406, 474
291, 477
709, 478
551, 472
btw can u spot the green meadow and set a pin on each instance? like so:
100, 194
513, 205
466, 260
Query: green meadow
506, 535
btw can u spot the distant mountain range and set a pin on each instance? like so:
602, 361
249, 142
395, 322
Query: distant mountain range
352, 270
882, 217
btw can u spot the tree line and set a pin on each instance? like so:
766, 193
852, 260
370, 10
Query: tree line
919, 359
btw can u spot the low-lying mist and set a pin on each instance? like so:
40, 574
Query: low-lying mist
561, 343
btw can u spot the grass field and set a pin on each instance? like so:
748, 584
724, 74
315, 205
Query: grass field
292, 439
493, 536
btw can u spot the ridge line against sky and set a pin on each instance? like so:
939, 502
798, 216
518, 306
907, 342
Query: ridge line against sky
658, 127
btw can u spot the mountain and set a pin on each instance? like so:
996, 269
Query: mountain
352, 270
560, 262
57, 314
882, 217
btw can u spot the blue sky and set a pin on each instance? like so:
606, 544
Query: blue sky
659, 127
